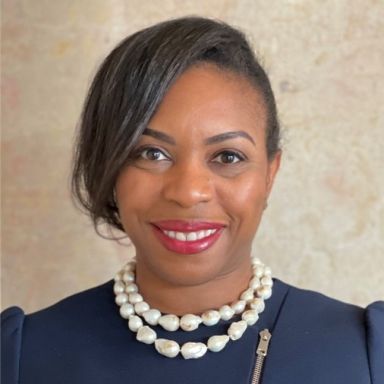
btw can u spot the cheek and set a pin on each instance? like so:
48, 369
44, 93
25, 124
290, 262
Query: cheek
248, 188
135, 193
244, 199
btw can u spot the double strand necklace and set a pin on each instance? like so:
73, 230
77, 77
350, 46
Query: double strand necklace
134, 309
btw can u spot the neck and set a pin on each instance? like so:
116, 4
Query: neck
180, 299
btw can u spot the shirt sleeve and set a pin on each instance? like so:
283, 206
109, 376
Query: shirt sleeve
375, 340
11, 335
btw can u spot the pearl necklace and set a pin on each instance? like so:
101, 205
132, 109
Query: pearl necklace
134, 309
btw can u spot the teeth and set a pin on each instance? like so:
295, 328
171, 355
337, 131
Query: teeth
181, 236
200, 235
190, 236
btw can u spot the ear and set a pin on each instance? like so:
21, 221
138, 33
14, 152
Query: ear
273, 167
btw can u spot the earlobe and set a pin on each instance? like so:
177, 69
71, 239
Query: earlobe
273, 167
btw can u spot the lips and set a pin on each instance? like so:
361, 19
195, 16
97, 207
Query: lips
187, 237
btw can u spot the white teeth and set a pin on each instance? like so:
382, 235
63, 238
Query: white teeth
181, 236
189, 236
200, 235
192, 236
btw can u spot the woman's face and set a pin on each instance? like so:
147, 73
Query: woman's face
193, 194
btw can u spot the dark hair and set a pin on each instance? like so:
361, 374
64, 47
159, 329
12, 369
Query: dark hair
129, 86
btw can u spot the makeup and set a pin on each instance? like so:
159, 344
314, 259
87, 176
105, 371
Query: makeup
187, 237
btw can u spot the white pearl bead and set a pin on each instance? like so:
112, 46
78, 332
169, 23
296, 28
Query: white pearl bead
226, 312
236, 329
193, 350
168, 348
264, 292
254, 283
257, 304
211, 317
169, 322
239, 306
131, 288
128, 277
251, 316
134, 323
217, 343
129, 267
141, 307
118, 287
146, 335
121, 298
132, 306
267, 271
190, 322
258, 271
256, 261
267, 280
135, 298
151, 316
117, 277
126, 310
247, 295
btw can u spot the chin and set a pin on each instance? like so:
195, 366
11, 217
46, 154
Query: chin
184, 270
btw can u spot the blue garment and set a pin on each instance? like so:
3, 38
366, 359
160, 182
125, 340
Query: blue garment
82, 339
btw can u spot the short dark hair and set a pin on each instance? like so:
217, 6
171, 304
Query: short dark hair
129, 86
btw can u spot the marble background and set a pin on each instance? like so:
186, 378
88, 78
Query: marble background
324, 228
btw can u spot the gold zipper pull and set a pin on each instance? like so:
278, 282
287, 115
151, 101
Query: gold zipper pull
262, 348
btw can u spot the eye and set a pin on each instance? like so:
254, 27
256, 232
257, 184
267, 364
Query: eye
151, 154
229, 157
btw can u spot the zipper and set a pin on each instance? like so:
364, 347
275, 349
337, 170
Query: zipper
261, 352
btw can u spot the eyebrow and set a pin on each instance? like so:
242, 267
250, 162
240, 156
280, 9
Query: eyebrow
228, 135
159, 135
209, 141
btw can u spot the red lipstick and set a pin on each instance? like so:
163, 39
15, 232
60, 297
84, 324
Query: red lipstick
201, 235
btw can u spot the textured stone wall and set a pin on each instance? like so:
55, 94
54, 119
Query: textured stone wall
324, 227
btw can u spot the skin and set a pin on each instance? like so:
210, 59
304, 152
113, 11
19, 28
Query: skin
193, 180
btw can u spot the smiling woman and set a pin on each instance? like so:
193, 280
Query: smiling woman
192, 171
179, 148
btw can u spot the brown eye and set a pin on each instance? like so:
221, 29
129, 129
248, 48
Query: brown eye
152, 154
229, 157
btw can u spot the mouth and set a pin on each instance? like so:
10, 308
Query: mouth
187, 237
190, 236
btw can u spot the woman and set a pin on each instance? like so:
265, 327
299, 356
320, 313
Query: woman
179, 147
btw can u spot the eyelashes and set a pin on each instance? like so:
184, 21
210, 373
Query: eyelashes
228, 156
155, 154
151, 154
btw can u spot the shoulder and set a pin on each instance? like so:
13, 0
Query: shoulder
76, 301
375, 339
311, 303
11, 334
72, 313
314, 318
338, 333
54, 332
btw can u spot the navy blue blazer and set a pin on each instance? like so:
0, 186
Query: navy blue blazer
82, 339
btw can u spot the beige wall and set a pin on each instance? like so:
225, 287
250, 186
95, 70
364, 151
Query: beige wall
324, 226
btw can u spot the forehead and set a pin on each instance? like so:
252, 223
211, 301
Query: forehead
207, 99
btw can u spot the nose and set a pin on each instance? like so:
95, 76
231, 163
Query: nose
188, 184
